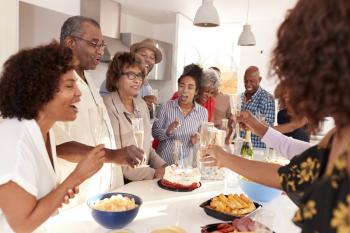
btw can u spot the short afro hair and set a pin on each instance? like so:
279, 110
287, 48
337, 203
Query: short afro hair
30, 79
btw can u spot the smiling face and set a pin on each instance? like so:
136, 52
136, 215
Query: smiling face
62, 106
251, 82
148, 57
206, 94
88, 56
187, 90
127, 87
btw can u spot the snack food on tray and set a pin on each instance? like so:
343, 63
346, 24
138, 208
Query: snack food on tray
234, 204
176, 177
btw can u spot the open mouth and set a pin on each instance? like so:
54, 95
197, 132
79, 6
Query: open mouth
74, 107
184, 98
97, 61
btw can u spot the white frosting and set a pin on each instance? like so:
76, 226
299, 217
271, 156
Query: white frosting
183, 176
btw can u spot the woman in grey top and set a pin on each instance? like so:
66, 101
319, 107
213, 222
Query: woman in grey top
125, 77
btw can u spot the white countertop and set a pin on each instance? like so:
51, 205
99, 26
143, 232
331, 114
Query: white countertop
166, 208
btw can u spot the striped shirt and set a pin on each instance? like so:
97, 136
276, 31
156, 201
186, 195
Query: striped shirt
190, 124
261, 102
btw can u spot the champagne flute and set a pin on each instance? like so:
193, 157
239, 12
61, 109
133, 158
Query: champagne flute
96, 123
154, 92
204, 134
138, 132
236, 104
176, 151
264, 221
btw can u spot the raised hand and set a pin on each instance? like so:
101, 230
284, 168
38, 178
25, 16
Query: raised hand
195, 138
247, 120
150, 99
129, 155
90, 164
214, 155
172, 127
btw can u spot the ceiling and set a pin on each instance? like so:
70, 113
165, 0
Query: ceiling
163, 11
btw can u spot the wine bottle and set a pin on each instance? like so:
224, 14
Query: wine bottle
247, 147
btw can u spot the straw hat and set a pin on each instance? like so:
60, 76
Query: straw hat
150, 44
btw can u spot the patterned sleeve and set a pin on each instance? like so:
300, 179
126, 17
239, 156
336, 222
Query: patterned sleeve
159, 126
299, 173
270, 110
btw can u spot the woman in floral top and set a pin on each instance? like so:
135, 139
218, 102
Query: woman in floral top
311, 61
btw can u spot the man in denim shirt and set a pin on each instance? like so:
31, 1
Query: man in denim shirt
258, 101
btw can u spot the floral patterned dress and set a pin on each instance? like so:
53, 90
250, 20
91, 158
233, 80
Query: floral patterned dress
323, 197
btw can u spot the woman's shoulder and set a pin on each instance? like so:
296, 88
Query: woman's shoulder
324, 143
15, 133
201, 108
169, 104
107, 99
141, 104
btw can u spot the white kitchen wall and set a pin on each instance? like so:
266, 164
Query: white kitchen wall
130, 23
8, 29
166, 32
34, 26
69, 7
260, 55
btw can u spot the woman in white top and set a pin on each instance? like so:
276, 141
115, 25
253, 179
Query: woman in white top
37, 88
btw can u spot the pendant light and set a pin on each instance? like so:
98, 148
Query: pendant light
206, 15
247, 37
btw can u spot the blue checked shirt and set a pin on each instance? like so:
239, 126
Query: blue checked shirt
168, 113
261, 102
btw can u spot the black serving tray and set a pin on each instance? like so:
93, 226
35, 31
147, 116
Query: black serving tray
224, 216
214, 227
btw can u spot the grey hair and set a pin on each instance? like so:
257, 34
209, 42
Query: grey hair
72, 26
210, 79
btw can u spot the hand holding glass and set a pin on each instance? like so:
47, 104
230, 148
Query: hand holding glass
236, 104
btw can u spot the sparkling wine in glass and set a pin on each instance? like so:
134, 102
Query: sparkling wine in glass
154, 92
96, 123
138, 131
204, 134
236, 104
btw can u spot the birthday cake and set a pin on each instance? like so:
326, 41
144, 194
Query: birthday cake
181, 178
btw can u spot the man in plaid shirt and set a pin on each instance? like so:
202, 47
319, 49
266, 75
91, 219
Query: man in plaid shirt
258, 101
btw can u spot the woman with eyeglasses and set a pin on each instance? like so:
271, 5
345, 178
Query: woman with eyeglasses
125, 76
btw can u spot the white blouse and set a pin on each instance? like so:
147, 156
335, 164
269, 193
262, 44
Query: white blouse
25, 161
110, 176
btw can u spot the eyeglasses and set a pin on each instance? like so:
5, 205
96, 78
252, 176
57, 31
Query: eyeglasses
133, 76
93, 44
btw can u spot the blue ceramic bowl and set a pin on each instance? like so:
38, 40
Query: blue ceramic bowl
258, 192
114, 220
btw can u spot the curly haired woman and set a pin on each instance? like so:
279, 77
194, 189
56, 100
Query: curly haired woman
37, 88
311, 60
